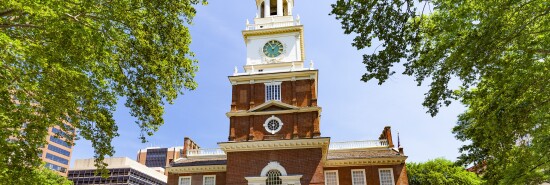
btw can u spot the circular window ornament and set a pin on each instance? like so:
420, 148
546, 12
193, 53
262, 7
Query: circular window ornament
273, 124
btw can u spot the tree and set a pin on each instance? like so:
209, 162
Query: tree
498, 50
70, 61
37, 176
440, 171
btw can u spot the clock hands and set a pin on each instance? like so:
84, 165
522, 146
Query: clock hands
273, 48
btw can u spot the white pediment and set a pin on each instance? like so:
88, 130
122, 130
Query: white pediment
273, 104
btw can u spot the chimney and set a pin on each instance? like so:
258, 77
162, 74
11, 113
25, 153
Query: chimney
386, 134
188, 144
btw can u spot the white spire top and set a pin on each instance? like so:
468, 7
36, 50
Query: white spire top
311, 65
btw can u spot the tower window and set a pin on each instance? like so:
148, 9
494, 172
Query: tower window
273, 178
273, 91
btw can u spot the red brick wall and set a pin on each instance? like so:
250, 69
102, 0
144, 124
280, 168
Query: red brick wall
373, 178
196, 178
306, 162
304, 123
298, 93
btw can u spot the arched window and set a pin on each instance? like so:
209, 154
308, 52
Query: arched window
262, 10
273, 178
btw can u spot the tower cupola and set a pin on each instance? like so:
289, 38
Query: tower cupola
269, 8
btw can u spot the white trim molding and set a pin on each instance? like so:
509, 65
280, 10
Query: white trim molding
273, 166
365, 162
276, 145
291, 179
248, 113
276, 76
330, 171
197, 169
270, 103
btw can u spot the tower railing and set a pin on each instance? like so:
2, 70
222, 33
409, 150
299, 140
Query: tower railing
205, 152
272, 25
358, 144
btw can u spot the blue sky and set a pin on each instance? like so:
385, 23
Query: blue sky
352, 109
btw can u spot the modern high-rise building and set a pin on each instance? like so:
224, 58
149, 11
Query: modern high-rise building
57, 154
122, 171
274, 122
159, 157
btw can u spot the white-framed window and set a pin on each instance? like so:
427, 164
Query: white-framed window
273, 91
185, 180
331, 177
273, 177
386, 176
273, 124
209, 180
358, 177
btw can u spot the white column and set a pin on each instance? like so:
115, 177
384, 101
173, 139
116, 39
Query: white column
259, 13
267, 8
289, 7
280, 8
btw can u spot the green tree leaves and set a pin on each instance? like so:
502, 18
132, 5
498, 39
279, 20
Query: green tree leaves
69, 61
498, 50
440, 171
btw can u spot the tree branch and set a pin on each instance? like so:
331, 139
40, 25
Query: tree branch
19, 26
7, 12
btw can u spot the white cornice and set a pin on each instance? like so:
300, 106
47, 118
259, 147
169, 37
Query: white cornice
196, 169
365, 162
299, 65
248, 113
309, 74
276, 145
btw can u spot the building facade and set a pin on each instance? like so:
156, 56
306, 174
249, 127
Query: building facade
57, 154
122, 171
274, 122
157, 157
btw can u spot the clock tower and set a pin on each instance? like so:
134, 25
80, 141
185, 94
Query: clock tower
274, 133
275, 97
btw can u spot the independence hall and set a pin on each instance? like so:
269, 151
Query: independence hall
274, 134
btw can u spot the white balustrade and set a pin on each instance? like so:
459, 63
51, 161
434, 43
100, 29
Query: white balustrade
357, 144
205, 152
272, 25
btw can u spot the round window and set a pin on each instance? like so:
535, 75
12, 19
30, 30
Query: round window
273, 124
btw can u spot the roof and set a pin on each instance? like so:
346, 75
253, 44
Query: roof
222, 160
118, 162
362, 154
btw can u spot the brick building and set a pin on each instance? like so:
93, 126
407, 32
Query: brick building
274, 133
158, 158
